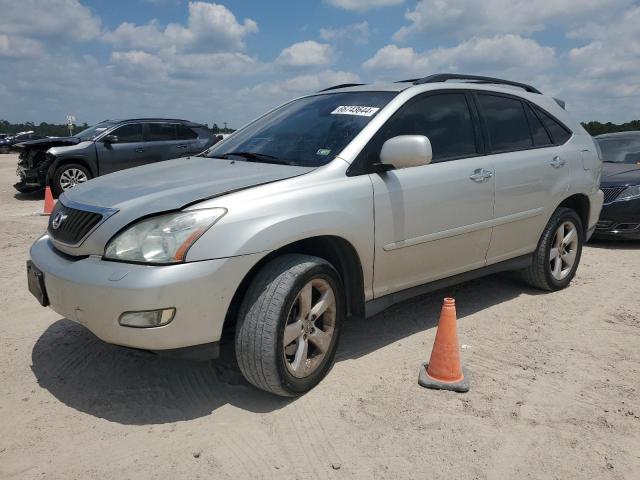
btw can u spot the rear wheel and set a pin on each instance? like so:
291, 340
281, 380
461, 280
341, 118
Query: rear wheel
68, 176
557, 257
289, 324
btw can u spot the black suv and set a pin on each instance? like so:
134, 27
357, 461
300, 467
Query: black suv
107, 147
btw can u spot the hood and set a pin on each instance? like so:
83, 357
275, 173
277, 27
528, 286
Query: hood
47, 143
176, 183
619, 174
161, 187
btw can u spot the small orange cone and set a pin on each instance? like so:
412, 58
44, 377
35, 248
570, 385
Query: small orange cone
444, 371
49, 203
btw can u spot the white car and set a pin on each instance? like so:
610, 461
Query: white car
335, 204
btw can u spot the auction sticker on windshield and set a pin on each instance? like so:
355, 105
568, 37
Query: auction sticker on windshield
355, 110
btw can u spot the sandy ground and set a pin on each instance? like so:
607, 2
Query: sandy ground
555, 380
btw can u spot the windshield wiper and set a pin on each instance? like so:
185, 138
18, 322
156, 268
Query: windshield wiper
256, 157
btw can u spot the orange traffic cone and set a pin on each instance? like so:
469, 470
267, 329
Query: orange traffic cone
49, 203
444, 371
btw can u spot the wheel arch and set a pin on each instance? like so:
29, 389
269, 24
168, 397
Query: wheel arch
336, 250
580, 204
58, 162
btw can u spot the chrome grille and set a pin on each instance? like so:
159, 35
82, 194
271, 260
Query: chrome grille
611, 193
74, 225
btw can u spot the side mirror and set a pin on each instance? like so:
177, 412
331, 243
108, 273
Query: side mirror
110, 139
406, 151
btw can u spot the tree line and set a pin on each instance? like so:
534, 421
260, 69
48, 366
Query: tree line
597, 128
62, 130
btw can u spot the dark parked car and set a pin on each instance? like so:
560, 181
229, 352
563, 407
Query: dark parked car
7, 143
620, 217
107, 147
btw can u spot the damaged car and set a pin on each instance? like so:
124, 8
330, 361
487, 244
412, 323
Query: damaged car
107, 147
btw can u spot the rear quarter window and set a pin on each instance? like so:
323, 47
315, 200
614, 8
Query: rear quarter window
559, 134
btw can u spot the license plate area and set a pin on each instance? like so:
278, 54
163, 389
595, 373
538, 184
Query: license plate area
35, 279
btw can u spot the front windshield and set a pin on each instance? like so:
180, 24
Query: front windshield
308, 132
92, 132
620, 150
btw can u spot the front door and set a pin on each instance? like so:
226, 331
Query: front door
127, 152
432, 221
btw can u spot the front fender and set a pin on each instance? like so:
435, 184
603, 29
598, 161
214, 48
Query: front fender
269, 217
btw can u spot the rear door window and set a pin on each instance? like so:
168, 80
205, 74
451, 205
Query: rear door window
157, 132
186, 133
506, 123
558, 133
129, 133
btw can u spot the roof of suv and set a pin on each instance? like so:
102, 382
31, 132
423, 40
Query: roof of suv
152, 119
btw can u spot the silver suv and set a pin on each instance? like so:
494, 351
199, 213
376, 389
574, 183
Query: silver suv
336, 204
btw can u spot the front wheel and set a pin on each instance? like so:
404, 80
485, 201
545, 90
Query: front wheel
289, 324
557, 257
68, 176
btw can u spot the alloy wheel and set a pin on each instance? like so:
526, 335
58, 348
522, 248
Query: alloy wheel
72, 177
310, 328
564, 248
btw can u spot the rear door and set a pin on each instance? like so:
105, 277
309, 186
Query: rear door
432, 221
127, 152
189, 136
532, 173
161, 139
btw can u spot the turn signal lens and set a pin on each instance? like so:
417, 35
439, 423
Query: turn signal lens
147, 318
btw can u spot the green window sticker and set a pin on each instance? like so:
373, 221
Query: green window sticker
323, 151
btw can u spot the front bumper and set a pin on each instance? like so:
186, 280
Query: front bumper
95, 292
619, 220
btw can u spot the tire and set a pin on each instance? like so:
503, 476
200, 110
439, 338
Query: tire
68, 170
273, 302
542, 274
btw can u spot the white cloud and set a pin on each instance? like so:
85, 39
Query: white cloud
306, 54
356, 32
210, 27
362, 5
299, 85
60, 19
170, 65
463, 18
498, 54
19, 47
609, 64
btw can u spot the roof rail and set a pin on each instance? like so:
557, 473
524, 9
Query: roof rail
342, 85
443, 77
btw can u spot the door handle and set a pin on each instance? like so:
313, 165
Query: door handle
139, 149
480, 175
557, 162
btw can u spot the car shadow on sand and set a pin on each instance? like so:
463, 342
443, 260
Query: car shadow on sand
137, 388
37, 195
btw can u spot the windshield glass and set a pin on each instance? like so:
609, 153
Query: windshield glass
309, 131
92, 132
620, 150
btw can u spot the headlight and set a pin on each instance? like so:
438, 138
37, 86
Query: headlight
164, 238
629, 193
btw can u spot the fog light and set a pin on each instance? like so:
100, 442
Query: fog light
148, 318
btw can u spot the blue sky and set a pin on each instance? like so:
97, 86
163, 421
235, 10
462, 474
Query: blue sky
230, 61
